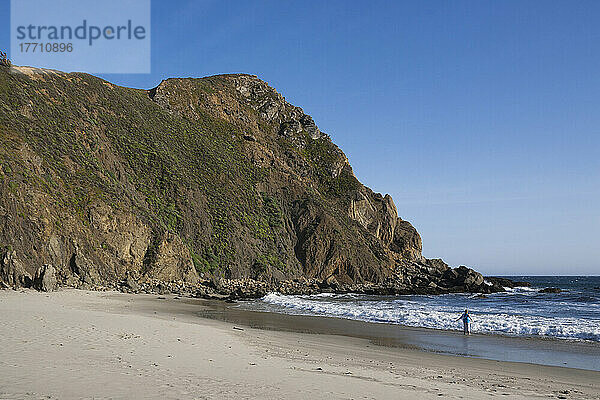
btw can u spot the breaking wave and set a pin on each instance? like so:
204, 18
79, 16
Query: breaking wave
520, 311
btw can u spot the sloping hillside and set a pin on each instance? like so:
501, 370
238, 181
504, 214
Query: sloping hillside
194, 179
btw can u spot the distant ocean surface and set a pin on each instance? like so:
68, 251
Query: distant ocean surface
572, 314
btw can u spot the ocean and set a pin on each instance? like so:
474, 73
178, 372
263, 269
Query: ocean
573, 314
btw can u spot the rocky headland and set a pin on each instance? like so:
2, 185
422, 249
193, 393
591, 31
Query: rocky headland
214, 187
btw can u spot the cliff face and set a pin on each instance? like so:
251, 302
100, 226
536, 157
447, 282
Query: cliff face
196, 178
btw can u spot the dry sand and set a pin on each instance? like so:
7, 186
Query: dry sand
77, 344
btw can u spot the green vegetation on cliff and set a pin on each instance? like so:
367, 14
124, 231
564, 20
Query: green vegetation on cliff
213, 176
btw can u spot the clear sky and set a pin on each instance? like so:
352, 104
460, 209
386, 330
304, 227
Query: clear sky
480, 118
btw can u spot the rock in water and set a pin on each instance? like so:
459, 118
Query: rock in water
551, 290
45, 279
504, 282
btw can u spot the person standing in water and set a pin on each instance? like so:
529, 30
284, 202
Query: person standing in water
466, 319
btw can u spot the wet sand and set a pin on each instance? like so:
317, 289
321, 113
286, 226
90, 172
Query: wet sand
535, 350
74, 344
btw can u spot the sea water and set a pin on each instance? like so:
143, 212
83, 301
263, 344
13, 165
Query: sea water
523, 311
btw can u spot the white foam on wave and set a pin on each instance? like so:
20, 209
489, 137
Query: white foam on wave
520, 289
526, 289
523, 290
420, 315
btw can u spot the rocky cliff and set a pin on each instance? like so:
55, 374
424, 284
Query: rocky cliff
193, 181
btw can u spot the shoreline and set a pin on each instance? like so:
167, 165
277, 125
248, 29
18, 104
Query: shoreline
427, 329
72, 344
537, 350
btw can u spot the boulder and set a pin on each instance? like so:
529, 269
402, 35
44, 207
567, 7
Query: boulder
45, 278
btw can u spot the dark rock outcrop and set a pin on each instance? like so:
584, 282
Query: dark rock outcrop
12, 271
551, 290
45, 278
505, 282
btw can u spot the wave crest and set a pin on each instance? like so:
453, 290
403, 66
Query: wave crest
415, 314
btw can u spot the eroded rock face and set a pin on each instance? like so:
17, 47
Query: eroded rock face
379, 215
123, 235
170, 261
45, 279
375, 213
132, 283
84, 269
12, 271
407, 241
324, 251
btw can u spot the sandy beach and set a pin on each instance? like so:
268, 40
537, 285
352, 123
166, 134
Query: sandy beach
78, 344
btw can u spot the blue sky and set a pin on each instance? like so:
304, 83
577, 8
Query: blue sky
480, 118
